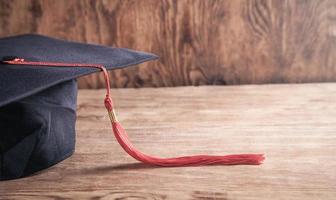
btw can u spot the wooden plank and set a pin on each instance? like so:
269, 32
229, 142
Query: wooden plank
200, 42
294, 125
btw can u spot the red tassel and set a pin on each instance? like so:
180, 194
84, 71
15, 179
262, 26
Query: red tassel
238, 159
122, 138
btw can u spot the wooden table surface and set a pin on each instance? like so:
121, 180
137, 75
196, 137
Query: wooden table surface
294, 125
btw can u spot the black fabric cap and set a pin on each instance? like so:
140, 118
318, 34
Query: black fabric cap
38, 103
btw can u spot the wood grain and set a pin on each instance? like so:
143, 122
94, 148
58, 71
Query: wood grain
200, 42
294, 125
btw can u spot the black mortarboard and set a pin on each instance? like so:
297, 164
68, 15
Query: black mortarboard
38, 104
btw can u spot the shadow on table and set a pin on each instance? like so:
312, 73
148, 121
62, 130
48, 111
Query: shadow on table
105, 169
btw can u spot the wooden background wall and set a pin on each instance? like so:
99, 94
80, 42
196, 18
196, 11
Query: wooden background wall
199, 41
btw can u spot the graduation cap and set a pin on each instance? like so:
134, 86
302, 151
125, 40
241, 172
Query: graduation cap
38, 94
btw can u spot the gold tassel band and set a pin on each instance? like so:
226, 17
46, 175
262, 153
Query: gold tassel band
112, 115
